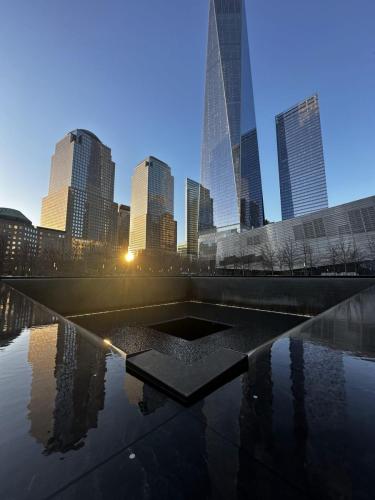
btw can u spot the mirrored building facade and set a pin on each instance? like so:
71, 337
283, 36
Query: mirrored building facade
303, 187
230, 158
123, 226
80, 196
152, 224
198, 214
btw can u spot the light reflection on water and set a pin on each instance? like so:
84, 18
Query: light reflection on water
305, 407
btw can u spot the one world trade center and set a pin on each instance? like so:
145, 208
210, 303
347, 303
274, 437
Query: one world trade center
230, 157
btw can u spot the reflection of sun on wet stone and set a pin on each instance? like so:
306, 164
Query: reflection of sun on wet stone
132, 456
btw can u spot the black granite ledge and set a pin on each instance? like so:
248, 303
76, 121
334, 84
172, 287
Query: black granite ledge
129, 329
187, 383
304, 295
299, 423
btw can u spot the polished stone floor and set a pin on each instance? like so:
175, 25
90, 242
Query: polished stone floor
298, 424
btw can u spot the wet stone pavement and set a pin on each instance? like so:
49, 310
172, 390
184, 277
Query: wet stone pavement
298, 424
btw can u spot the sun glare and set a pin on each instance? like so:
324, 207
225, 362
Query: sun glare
129, 257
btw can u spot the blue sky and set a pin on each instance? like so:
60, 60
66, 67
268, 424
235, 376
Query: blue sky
132, 71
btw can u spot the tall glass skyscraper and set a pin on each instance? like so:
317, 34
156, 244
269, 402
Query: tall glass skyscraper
230, 156
198, 214
80, 196
152, 226
303, 187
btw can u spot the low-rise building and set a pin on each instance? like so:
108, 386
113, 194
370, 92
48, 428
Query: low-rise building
21, 243
336, 237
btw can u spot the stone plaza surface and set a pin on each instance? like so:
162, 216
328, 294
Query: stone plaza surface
299, 423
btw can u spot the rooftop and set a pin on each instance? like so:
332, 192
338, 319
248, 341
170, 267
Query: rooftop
87, 132
13, 215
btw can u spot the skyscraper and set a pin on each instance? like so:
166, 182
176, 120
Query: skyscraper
198, 214
123, 226
80, 196
230, 156
152, 226
303, 187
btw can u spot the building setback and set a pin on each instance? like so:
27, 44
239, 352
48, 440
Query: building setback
80, 196
230, 167
152, 224
303, 187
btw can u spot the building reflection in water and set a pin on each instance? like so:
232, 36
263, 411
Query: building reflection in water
144, 396
18, 312
67, 390
68, 387
255, 420
42, 359
297, 377
348, 328
290, 413
15, 314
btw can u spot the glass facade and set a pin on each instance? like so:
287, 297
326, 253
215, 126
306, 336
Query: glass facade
152, 226
80, 197
303, 187
230, 157
328, 237
198, 214
123, 226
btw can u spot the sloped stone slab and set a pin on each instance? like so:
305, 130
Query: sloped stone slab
187, 382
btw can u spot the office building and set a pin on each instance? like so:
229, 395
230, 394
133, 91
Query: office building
334, 237
123, 226
18, 241
152, 224
182, 248
198, 214
21, 242
80, 196
303, 187
230, 158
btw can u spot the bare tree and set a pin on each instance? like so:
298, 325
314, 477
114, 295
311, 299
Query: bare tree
290, 254
333, 256
345, 252
269, 256
280, 257
371, 247
307, 254
356, 256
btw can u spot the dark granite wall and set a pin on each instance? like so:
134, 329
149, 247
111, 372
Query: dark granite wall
70, 296
295, 295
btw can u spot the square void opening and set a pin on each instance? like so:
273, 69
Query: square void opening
190, 328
